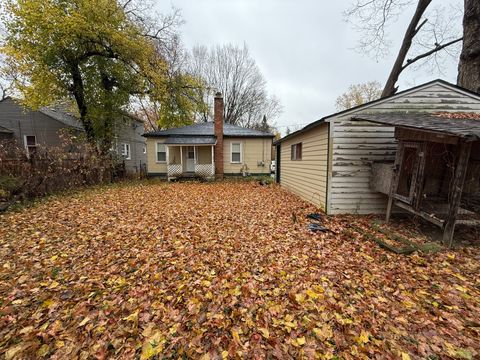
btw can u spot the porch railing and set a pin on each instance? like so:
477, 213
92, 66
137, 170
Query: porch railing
174, 169
205, 169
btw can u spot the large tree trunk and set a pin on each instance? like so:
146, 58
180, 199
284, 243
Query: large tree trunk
412, 30
469, 65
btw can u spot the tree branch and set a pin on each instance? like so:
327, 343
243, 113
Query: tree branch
438, 47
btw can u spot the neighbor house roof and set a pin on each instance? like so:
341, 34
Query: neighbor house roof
207, 129
374, 102
461, 125
62, 116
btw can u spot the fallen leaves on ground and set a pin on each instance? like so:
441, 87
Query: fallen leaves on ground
219, 271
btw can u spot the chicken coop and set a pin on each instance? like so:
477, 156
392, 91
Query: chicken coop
436, 174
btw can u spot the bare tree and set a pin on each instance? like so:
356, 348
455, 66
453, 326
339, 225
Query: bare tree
359, 94
426, 32
232, 71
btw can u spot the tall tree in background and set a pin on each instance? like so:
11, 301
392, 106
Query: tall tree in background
431, 32
232, 71
469, 65
359, 94
101, 53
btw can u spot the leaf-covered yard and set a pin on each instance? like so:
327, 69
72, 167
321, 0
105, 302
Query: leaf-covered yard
221, 271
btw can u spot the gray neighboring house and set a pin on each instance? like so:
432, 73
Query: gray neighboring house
32, 128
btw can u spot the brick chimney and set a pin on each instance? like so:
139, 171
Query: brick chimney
218, 126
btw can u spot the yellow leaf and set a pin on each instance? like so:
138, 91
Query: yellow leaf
312, 294
205, 357
12, 352
132, 317
84, 321
265, 332
323, 333
405, 356
17, 302
49, 303
53, 285
300, 298
152, 346
301, 340
224, 354
235, 335
363, 338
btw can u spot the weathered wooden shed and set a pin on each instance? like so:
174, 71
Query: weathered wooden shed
331, 162
436, 174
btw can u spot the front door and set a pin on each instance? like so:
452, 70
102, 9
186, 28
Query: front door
190, 159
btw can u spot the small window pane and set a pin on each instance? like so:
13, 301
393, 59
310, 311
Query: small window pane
31, 141
161, 153
236, 157
236, 148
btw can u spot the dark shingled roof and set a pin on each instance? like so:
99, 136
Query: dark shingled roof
206, 129
468, 128
191, 140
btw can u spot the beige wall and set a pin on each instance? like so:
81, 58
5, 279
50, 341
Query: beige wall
152, 166
307, 177
254, 150
204, 154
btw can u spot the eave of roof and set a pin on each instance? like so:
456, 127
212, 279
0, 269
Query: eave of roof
468, 128
207, 129
355, 108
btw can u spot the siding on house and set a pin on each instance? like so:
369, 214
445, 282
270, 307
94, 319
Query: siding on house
25, 122
307, 177
130, 131
254, 152
357, 144
153, 167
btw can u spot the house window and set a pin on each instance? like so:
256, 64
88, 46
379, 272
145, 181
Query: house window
296, 151
144, 150
236, 153
30, 144
126, 151
161, 153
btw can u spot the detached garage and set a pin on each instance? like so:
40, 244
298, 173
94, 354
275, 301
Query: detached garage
330, 162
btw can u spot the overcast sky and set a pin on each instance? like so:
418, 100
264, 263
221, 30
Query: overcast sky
303, 48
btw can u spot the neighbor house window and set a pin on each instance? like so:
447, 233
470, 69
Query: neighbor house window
144, 150
161, 153
236, 153
30, 144
126, 151
296, 151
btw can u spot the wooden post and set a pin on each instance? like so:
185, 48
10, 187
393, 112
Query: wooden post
455, 193
394, 184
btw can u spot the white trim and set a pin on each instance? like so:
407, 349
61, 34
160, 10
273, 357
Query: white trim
241, 152
156, 153
213, 153
126, 154
181, 156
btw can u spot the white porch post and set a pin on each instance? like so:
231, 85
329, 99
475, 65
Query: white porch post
213, 152
181, 157
195, 155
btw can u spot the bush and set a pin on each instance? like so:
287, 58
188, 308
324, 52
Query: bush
52, 169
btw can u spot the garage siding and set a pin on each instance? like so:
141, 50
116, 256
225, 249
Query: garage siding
356, 145
307, 177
